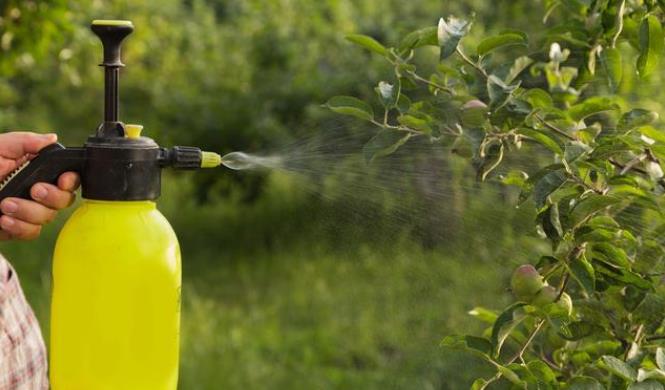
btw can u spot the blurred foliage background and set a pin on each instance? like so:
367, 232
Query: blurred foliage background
289, 281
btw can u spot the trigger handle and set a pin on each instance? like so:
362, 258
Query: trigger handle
51, 162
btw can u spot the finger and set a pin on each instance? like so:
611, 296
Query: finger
8, 164
27, 210
17, 144
51, 196
69, 181
19, 229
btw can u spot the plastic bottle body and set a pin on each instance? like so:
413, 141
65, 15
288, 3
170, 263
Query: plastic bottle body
115, 310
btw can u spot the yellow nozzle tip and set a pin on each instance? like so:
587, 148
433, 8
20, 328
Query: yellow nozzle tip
210, 160
103, 22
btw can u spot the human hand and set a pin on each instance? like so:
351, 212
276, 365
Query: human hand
23, 219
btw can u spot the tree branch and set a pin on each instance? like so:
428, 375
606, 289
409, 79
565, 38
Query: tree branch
554, 128
432, 84
532, 336
634, 169
473, 64
620, 11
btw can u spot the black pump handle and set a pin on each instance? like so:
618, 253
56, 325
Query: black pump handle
111, 33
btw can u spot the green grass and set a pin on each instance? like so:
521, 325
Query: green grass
309, 319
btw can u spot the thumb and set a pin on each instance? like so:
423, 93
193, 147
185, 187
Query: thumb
17, 144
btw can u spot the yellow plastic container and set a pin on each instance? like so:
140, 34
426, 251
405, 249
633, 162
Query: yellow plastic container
115, 314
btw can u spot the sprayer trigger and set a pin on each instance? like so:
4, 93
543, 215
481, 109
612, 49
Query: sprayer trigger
13, 174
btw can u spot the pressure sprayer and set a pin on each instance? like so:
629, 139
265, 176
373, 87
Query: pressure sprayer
115, 310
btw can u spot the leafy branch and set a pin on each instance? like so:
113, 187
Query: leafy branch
598, 173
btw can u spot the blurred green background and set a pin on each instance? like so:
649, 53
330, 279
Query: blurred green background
324, 279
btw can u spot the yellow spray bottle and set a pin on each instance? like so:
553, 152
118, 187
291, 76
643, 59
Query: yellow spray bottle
115, 311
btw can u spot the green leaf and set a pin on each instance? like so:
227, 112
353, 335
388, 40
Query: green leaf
568, 73
632, 297
649, 384
542, 139
584, 383
479, 344
502, 320
650, 311
578, 330
610, 59
551, 223
423, 37
348, 105
619, 368
407, 84
541, 371
583, 273
529, 185
547, 185
453, 341
575, 149
660, 358
560, 80
610, 147
368, 43
591, 61
499, 92
385, 142
588, 233
468, 343
635, 118
483, 314
591, 205
506, 39
651, 46
611, 254
653, 133
518, 67
590, 107
416, 123
510, 375
646, 376
403, 103
546, 261
538, 98
479, 384
559, 319
449, 33
521, 33
515, 178
623, 276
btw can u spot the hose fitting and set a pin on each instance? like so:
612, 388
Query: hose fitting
189, 157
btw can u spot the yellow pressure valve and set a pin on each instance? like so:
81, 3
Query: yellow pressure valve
133, 131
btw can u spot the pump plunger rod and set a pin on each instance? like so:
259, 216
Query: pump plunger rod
111, 33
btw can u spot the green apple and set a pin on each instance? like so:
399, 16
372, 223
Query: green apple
566, 303
545, 296
473, 113
526, 282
